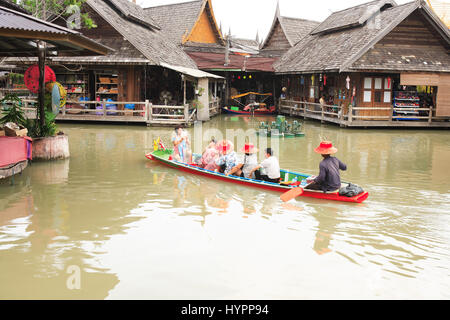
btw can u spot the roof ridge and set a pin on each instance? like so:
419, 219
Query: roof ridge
363, 4
172, 4
300, 19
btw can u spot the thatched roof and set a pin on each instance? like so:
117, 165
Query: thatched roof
141, 32
344, 49
178, 20
292, 31
352, 17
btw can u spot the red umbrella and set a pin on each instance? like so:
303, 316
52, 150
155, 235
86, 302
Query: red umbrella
31, 77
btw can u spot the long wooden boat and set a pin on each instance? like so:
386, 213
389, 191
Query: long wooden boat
165, 157
250, 113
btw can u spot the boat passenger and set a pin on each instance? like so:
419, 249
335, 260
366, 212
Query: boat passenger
210, 156
271, 167
228, 158
329, 177
182, 152
246, 163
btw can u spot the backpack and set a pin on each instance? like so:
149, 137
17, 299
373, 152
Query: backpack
351, 190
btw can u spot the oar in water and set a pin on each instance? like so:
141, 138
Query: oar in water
291, 194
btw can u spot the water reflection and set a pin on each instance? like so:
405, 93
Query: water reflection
138, 229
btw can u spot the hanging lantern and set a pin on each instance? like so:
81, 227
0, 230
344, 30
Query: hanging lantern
348, 83
312, 80
389, 83
324, 79
245, 77
31, 77
250, 76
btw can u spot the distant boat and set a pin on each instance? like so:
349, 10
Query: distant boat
253, 108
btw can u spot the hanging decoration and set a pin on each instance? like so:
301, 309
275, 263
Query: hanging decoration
348, 83
388, 83
324, 79
302, 80
56, 96
312, 80
31, 77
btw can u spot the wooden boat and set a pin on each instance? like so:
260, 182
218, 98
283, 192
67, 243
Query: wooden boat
165, 157
255, 112
253, 108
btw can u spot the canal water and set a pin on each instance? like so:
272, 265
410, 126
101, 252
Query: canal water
110, 224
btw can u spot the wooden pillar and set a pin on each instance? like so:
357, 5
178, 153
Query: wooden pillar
350, 113
430, 115
203, 110
41, 96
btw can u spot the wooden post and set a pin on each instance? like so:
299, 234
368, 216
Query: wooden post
186, 113
350, 113
391, 113
146, 110
430, 115
323, 120
341, 117
41, 93
150, 112
104, 107
64, 110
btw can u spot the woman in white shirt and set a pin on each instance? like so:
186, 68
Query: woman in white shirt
271, 167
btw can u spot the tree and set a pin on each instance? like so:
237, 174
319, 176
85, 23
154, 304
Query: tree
52, 10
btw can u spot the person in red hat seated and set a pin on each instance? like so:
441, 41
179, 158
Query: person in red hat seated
329, 178
246, 163
228, 157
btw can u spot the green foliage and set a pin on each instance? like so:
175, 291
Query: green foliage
52, 10
11, 111
48, 130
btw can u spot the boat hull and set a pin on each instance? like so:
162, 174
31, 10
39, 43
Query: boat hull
248, 113
164, 158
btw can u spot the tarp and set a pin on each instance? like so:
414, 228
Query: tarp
191, 72
14, 150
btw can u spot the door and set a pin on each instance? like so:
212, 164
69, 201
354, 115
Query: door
376, 93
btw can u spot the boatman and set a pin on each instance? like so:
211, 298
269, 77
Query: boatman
329, 178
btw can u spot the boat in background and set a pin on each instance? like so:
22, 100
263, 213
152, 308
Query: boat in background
289, 179
253, 108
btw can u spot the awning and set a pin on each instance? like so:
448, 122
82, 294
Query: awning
191, 72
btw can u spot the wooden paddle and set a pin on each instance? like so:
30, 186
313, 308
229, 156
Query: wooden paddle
291, 194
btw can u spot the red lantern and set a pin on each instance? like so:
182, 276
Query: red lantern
31, 77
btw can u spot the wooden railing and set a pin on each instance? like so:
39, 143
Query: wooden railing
102, 111
349, 114
214, 107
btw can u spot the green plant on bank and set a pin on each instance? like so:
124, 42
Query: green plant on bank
196, 104
11, 110
52, 10
16, 77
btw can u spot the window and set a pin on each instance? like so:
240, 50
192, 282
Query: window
378, 83
377, 90
367, 83
387, 97
367, 96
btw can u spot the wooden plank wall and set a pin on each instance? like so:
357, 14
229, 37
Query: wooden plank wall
278, 40
443, 96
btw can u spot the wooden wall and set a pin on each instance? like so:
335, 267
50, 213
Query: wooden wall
203, 30
277, 40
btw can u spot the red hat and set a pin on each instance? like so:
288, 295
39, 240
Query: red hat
249, 148
326, 147
224, 146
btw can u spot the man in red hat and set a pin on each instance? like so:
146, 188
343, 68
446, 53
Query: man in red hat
329, 178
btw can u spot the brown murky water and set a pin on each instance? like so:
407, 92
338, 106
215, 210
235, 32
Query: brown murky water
137, 230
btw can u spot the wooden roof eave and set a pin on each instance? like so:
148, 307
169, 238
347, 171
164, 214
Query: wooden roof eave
272, 28
212, 19
82, 43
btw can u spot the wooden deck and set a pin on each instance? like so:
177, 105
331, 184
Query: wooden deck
144, 113
351, 118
